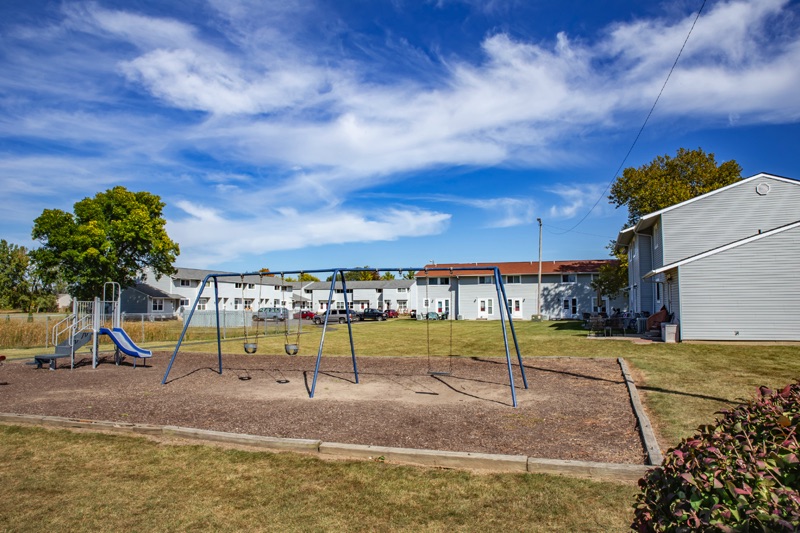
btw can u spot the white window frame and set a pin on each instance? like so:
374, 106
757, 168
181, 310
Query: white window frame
158, 305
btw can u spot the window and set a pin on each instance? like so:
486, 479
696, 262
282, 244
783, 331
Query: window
570, 306
237, 285
486, 280
158, 305
569, 278
444, 281
433, 281
202, 305
248, 304
425, 304
276, 302
402, 305
402, 289
658, 292
339, 305
186, 283
237, 303
379, 291
513, 279
184, 302
251, 285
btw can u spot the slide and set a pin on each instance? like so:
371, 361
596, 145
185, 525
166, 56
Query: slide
124, 343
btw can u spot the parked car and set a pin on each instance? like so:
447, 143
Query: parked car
391, 313
271, 313
413, 313
305, 314
372, 314
337, 315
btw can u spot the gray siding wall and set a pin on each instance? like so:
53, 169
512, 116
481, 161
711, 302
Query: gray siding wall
658, 247
133, 301
673, 294
643, 290
728, 216
762, 307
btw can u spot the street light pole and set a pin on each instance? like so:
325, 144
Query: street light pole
539, 285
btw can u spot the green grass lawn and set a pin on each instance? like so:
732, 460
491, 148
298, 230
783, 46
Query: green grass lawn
56, 480
105, 482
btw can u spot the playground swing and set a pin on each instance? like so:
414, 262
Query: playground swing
250, 347
431, 371
291, 348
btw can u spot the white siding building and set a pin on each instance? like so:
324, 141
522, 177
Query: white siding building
471, 294
724, 263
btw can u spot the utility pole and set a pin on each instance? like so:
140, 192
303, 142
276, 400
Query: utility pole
539, 285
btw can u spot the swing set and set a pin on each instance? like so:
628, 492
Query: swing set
292, 339
251, 341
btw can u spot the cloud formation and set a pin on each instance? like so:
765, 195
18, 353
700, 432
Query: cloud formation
260, 104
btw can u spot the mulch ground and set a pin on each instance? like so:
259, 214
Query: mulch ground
574, 408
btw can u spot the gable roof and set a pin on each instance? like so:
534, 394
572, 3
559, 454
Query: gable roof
154, 292
626, 235
720, 249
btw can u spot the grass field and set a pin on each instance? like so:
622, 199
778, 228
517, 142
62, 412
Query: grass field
62, 481
93, 478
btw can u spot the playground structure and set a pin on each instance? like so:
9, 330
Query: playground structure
293, 347
85, 324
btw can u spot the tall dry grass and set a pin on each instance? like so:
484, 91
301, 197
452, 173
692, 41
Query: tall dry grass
36, 334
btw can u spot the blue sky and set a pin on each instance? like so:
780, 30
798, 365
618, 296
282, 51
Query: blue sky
311, 134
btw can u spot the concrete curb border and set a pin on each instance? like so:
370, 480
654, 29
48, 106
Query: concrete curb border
410, 456
654, 456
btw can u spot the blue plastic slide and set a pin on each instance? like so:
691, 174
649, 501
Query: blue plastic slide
124, 343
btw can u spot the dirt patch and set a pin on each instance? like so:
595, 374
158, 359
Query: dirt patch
574, 408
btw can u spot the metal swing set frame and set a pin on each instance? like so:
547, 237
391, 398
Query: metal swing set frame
505, 315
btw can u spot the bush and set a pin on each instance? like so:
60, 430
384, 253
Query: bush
742, 474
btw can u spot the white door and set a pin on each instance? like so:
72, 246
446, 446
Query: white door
443, 306
485, 308
515, 307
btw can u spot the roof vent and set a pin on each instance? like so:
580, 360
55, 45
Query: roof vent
763, 188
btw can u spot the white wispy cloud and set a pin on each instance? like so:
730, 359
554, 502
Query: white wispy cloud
123, 96
212, 237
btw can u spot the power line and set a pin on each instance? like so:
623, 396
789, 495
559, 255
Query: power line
639, 134
578, 232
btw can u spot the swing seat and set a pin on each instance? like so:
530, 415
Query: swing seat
250, 347
291, 349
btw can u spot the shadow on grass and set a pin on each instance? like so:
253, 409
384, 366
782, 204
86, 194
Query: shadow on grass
569, 325
562, 372
689, 394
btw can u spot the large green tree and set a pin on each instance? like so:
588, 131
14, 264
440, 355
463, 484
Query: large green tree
663, 182
667, 181
111, 237
21, 281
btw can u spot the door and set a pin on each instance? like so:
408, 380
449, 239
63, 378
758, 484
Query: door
515, 307
570, 308
485, 308
443, 306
